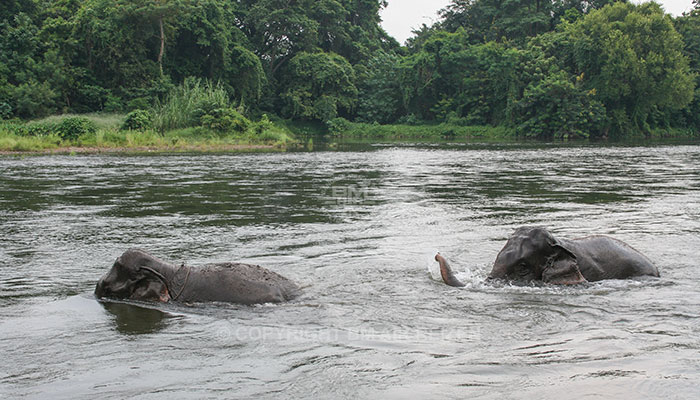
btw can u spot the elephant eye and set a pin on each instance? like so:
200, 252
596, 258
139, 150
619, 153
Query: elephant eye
523, 270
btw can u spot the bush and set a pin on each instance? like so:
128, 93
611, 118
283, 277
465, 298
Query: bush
30, 129
73, 127
33, 99
264, 125
5, 110
137, 120
139, 103
337, 126
409, 119
225, 120
187, 104
113, 104
39, 129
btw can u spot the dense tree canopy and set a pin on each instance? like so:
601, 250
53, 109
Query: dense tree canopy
548, 68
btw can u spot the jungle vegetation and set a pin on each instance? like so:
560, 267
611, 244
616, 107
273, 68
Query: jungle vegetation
546, 69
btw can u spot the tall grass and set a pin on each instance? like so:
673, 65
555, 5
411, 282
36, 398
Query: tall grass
186, 103
101, 120
443, 131
11, 142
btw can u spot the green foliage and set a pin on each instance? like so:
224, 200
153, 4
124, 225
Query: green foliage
74, 127
338, 125
409, 119
113, 104
137, 120
633, 57
248, 75
435, 132
33, 99
186, 104
263, 125
448, 76
69, 128
318, 86
225, 120
379, 98
688, 26
556, 108
543, 68
5, 110
40, 128
139, 103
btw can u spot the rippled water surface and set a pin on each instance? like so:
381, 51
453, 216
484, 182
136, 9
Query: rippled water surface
357, 229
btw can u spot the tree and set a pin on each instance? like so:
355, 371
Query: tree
633, 58
498, 20
379, 98
318, 86
448, 76
119, 42
554, 107
278, 30
688, 26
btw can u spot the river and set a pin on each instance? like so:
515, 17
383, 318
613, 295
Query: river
358, 229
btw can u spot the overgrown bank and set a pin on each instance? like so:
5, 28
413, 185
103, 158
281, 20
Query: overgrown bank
547, 70
106, 132
98, 133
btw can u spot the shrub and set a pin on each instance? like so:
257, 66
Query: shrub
39, 129
263, 125
187, 104
137, 120
33, 99
224, 120
73, 127
139, 103
42, 128
409, 119
337, 126
113, 104
5, 110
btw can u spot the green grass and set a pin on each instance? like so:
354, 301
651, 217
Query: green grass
425, 131
275, 134
363, 131
15, 137
675, 133
185, 101
11, 142
101, 120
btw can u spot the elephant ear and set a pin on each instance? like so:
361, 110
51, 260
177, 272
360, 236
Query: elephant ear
151, 287
563, 272
560, 249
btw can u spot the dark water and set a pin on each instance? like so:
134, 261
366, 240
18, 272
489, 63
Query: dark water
359, 230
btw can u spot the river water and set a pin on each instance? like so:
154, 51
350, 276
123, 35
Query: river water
359, 230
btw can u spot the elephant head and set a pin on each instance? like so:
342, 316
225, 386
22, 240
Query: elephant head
535, 254
134, 276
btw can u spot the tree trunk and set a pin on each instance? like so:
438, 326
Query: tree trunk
162, 45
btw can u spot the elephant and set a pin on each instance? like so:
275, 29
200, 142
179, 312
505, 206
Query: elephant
137, 275
535, 254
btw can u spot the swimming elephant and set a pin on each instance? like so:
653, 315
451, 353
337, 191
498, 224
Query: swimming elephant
137, 275
533, 253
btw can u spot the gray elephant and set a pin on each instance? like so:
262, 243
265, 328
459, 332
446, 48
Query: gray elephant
534, 254
137, 275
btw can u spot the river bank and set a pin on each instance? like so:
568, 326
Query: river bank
104, 133
47, 137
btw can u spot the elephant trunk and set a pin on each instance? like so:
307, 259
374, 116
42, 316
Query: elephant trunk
100, 289
446, 272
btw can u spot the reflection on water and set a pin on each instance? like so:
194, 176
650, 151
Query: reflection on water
131, 319
359, 230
